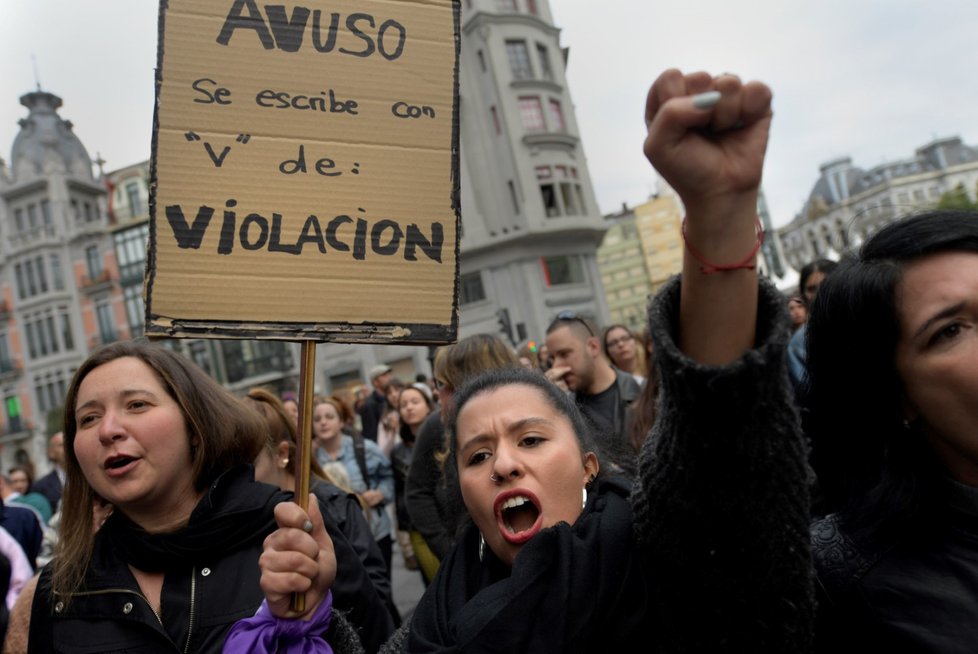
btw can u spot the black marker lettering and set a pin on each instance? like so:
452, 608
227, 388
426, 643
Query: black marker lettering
416, 239
253, 219
253, 21
188, 237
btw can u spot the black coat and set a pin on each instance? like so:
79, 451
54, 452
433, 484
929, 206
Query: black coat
204, 592
913, 590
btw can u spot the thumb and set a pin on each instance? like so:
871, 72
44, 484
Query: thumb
676, 117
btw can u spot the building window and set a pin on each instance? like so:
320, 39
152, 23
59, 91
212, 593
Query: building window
31, 339
31, 279
46, 213
32, 216
556, 116
513, 196
134, 198
482, 61
567, 195
75, 211
495, 120
93, 262
57, 279
42, 276
519, 59
6, 361
51, 332
21, 286
106, 326
580, 198
19, 219
135, 310
531, 7
471, 289
130, 247
505, 5
543, 55
531, 114
89, 214
12, 405
566, 269
549, 197
66, 336
248, 358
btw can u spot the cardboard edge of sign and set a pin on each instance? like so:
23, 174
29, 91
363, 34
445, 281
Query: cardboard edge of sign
158, 327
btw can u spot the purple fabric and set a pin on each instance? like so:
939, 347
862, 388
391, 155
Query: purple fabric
266, 633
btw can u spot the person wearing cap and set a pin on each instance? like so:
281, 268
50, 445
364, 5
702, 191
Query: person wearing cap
373, 407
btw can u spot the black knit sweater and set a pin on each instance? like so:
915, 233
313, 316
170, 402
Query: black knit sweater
720, 506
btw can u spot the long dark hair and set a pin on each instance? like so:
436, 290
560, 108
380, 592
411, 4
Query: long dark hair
824, 266
869, 465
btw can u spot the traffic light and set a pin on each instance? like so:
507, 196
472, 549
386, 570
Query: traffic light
505, 327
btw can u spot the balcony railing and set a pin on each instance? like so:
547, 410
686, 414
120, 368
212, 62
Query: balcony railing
97, 283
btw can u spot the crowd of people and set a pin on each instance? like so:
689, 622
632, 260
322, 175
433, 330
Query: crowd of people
749, 473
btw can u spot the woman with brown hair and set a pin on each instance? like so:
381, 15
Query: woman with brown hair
275, 465
371, 477
625, 351
174, 565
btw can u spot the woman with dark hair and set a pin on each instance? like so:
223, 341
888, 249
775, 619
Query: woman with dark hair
708, 550
434, 511
810, 278
893, 372
625, 351
176, 563
797, 311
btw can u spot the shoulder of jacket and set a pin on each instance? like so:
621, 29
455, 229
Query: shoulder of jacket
840, 561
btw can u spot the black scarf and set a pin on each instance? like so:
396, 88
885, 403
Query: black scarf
235, 510
571, 589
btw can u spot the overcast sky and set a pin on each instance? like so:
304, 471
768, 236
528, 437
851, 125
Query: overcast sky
871, 79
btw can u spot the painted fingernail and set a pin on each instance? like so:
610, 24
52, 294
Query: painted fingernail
307, 526
706, 100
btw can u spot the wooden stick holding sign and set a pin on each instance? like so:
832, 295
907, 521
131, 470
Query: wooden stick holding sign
303, 450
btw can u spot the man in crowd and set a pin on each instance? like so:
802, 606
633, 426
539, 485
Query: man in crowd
373, 407
51, 484
602, 392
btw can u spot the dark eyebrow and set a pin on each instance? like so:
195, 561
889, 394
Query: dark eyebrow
940, 315
125, 394
517, 426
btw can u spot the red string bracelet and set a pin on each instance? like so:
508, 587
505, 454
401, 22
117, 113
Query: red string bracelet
708, 267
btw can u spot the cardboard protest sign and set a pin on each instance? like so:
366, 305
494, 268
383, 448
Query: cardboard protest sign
305, 171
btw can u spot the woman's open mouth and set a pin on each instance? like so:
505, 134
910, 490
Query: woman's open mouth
116, 466
518, 515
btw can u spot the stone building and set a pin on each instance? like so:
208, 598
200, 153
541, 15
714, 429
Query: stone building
59, 276
848, 203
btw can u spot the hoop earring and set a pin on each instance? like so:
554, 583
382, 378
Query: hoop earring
482, 547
